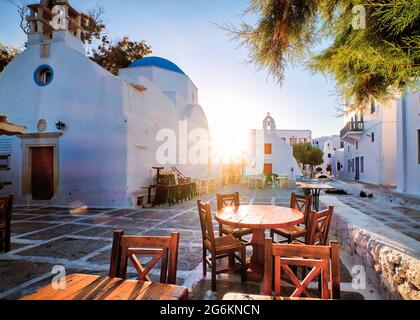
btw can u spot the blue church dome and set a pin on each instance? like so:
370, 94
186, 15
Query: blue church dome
157, 62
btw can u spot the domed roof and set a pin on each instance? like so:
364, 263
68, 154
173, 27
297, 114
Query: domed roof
157, 62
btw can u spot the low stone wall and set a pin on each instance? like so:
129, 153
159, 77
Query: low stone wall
390, 258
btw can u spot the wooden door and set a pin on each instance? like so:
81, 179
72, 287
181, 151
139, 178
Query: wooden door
42, 173
357, 178
268, 169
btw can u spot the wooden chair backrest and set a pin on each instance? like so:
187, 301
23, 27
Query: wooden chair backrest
164, 249
6, 209
324, 261
228, 200
207, 229
303, 204
319, 227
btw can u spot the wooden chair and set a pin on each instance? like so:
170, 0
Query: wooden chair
219, 248
319, 227
324, 261
303, 204
126, 248
6, 209
230, 200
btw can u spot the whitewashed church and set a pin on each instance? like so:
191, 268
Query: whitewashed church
91, 136
271, 150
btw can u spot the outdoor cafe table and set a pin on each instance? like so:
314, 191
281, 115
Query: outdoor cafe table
315, 190
90, 287
259, 218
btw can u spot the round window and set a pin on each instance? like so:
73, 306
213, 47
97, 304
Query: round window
43, 75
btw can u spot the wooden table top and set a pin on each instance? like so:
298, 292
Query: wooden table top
260, 217
314, 186
91, 287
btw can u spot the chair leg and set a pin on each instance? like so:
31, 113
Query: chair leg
7, 240
244, 265
204, 263
220, 230
231, 260
213, 274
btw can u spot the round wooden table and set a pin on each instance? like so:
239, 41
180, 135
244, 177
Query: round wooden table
259, 218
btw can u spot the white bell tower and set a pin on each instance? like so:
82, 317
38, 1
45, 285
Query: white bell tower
269, 124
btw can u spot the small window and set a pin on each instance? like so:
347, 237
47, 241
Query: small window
268, 149
341, 145
373, 106
373, 137
43, 75
4, 162
352, 165
338, 166
293, 141
357, 145
362, 164
329, 156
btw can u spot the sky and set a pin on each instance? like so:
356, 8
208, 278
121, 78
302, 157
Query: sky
235, 95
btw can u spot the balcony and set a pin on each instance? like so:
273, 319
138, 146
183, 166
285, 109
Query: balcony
352, 132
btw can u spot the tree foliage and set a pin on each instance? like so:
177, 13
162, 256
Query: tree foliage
367, 63
307, 154
114, 56
7, 54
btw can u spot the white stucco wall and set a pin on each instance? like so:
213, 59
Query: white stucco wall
88, 100
380, 156
408, 145
109, 144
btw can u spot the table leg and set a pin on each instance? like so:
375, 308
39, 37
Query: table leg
256, 268
315, 198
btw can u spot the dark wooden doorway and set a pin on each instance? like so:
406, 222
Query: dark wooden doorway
268, 169
357, 178
42, 173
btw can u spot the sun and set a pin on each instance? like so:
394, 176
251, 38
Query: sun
229, 145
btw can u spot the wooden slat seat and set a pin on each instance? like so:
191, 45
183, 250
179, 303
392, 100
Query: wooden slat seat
227, 244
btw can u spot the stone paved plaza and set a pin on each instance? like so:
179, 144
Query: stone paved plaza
44, 237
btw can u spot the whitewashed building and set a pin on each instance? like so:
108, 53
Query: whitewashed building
271, 150
369, 152
329, 146
91, 136
408, 143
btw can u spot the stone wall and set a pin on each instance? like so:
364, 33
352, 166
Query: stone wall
391, 259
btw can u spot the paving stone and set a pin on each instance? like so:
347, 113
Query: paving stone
57, 218
14, 273
66, 248
21, 217
126, 223
153, 215
55, 232
20, 228
107, 232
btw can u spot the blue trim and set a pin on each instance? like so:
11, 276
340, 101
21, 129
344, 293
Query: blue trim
41, 67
